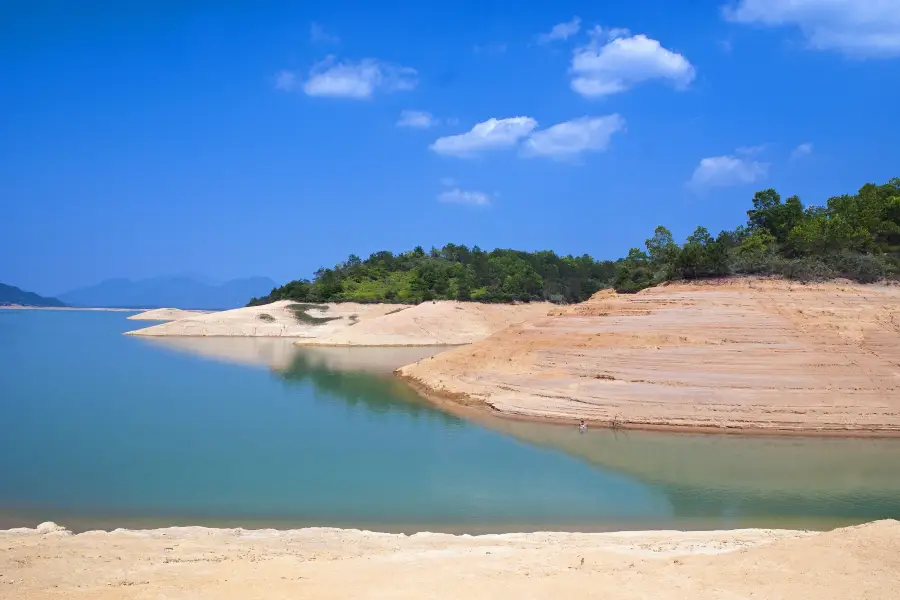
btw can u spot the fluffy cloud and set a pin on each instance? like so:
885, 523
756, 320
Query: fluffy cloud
614, 61
802, 150
492, 134
862, 28
470, 197
725, 171
318, 35
569, 139
561, 31
417, 119
356, 80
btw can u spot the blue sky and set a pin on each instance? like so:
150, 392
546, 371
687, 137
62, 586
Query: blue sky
271, 138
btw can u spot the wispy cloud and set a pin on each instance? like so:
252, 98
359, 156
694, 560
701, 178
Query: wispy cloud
286, 81
750, 150
572, 138
492, 134
726, 171
347, 79
859, 28
492, 49
801, 151
561, 31
459, 196
615, 61
417, 119
318, 35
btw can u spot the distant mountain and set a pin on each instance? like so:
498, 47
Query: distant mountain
10, 294
169, 292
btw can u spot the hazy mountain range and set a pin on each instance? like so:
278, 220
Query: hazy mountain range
10, 294
170, 292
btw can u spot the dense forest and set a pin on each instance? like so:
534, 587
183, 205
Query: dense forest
854, 236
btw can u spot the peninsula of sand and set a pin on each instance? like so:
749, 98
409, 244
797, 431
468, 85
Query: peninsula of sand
232, 564
738, 354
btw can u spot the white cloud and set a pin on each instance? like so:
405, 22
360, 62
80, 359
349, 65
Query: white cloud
725, 171
417, 119
286, 81
318, 35
561, 31
357, 80
861, 28
492, 134
615, 61
458, 196
802, 150
571, 138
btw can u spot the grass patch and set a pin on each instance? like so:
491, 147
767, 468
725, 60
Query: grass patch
396, 310
265, 317
307, 306
302, 316
354, 319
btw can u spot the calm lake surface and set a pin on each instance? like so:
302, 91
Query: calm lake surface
105, 430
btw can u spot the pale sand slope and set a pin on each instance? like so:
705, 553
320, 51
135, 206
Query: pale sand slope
232, 564
280, 322
442, 323
739, 353
167, 314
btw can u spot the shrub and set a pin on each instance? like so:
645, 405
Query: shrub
265, 317
864, 268
805, 269
302, 316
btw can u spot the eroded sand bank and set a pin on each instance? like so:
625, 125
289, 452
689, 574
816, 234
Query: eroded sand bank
442, 323
167, 314
742, 354
272, 320
856, 562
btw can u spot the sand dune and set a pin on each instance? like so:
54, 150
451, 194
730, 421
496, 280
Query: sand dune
856, 562
736, 354
434, 324
275, 320
167, 314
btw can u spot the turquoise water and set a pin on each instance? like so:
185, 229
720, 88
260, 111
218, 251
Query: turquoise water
104, 429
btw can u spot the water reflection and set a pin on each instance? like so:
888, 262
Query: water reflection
280, 353
771, 481
378, 393
751, 477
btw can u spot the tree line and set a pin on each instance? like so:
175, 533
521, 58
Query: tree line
855, 236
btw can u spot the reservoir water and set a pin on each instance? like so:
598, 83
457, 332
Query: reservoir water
99, 429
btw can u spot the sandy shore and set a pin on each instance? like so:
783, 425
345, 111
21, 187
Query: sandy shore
272, 320
747, 355
442, 323
193, 562
167, 314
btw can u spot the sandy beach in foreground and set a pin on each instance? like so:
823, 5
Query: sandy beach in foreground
226, 564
